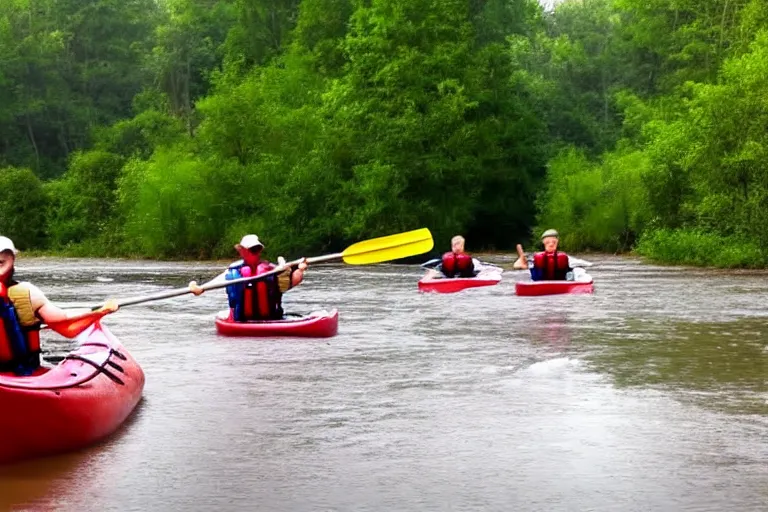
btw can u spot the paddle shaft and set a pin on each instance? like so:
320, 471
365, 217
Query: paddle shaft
212, 286
375, 250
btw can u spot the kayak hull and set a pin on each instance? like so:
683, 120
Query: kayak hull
457, 284
75, 404
320, 324
538, 288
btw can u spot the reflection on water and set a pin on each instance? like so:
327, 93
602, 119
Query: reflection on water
648, 395
552, 330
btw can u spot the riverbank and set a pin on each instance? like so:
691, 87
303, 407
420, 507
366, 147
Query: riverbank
660, 247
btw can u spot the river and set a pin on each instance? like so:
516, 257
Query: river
651, 394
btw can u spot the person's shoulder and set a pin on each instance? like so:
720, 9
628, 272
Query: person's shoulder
26, 285
35, 293
236, 264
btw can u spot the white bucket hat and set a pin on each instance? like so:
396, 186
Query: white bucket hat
249, 242
6, 244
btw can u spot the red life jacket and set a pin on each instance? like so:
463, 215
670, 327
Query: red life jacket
262, 300
19, 331
457, 265
553, 265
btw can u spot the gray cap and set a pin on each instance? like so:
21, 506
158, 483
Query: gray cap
550, 232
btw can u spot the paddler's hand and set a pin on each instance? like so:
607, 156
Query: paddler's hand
110, 306
522, 261
302, 265
194, 288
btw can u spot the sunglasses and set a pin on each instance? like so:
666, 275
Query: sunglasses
255, 249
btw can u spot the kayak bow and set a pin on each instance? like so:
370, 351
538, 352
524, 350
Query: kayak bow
82, 400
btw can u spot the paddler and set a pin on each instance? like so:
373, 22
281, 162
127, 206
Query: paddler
260, 299
23, 309
456, 262
549, 264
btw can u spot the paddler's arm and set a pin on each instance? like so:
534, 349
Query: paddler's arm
290, 277
298, 276
50, 313
197, 289
521, 263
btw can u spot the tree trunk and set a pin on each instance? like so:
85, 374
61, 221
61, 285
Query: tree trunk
31, 134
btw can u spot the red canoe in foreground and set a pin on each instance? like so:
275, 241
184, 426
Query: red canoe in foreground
319, 324
535, 288
456, 284
82, 400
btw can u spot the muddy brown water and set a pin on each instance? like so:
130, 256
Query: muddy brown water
651, 394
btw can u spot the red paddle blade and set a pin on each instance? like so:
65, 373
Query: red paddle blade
71, 327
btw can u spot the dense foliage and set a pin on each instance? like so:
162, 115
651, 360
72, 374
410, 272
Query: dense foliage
167, 129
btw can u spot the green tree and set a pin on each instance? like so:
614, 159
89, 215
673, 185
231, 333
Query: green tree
22, 207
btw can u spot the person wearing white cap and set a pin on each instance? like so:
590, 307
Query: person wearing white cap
256, 300
23, 309
548, 265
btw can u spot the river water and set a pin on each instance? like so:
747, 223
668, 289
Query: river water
651, 394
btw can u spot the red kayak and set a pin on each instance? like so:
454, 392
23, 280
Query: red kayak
82, 400
320, 324
456, 284
535, 288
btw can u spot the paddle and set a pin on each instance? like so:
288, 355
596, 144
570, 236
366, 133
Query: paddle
71, 327
375, 250
576, 262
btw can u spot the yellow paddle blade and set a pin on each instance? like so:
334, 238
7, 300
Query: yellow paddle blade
387, 248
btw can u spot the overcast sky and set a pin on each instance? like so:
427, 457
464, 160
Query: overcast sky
548, 4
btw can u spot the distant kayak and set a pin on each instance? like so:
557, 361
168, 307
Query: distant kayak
82, 400
440, 284
535, 288
319, 324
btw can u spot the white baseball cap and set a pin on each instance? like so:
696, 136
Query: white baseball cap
250, 241
6, 244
